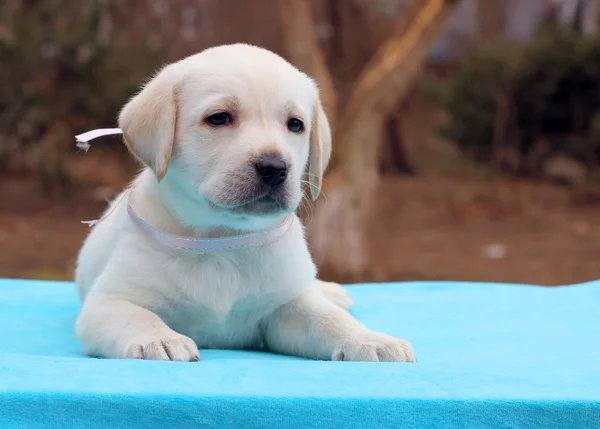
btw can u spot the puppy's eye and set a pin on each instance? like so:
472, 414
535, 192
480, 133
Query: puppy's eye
219, 119
295, 125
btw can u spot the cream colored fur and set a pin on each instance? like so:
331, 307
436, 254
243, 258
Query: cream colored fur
145, 300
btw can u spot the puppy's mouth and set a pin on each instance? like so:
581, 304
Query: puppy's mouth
265, 205
262, 205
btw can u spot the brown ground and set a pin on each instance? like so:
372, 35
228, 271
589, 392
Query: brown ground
439, 230
447, 230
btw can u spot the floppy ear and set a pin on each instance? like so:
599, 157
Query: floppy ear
149, 121
320, 149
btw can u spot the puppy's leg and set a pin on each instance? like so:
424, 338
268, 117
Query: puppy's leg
337, 294
115, 328
312, 326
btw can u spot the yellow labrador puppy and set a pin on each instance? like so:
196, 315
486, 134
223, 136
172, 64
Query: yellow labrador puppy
204, 249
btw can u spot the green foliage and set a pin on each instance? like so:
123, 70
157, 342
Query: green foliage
534, 100
65, 62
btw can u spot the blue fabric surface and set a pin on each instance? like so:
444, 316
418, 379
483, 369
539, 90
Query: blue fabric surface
490, 356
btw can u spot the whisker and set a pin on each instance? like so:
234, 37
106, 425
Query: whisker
308, 204
311, 185
324, 179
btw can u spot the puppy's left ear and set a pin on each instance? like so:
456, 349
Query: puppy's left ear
320, 149
149, 121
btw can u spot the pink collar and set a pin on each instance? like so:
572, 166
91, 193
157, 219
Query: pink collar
207, 244
186, 243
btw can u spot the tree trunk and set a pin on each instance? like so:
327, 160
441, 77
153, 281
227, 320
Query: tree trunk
394, 158
382, 85
304, 50
385, 81
491, 19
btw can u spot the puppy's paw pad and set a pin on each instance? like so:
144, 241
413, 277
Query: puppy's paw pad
167, 347
375, 347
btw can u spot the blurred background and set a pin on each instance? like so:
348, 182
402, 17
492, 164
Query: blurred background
466, 132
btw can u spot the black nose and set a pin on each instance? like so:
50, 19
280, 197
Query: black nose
272, 169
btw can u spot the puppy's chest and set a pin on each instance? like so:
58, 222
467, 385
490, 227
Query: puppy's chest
218, 278
222, 297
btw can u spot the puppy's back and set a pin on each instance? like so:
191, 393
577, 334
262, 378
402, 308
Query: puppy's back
97, 247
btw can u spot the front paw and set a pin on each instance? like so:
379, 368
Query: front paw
163, 346
374, 347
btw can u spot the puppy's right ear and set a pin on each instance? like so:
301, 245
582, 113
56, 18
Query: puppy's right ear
149, 122
320, 149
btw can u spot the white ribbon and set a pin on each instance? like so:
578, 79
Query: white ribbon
83, 139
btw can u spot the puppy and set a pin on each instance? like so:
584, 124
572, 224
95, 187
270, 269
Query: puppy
225, 137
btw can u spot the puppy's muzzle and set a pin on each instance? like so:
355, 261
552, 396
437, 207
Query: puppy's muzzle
272, 169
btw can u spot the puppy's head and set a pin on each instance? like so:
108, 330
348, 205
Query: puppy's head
235, 127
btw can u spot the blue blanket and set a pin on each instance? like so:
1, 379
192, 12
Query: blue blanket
490, 356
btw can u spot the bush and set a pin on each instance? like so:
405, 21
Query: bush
528, 102
69, 66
